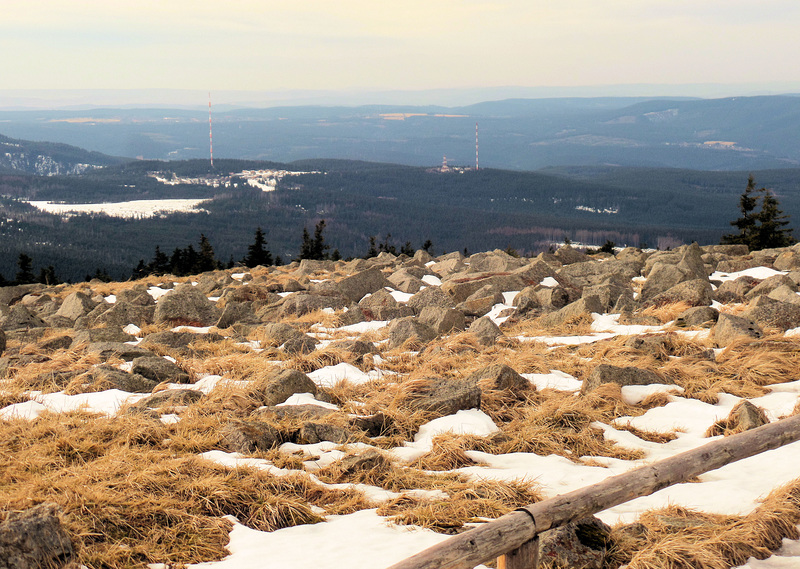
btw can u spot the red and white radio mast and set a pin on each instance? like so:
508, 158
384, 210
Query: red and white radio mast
210, 136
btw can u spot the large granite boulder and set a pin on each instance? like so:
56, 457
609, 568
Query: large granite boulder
185, 305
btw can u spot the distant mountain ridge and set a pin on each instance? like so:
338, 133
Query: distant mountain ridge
737, 133
49, 158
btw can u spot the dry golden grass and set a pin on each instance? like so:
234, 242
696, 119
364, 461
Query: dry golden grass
677, 538
465, 503
52, 374
130, 499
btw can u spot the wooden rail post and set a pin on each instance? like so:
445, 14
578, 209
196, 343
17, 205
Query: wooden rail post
526, 556
510, 532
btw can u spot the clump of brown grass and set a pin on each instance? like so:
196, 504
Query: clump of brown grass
666, 312
677, 538
562, 424
448, 451
576, 326
469, 503
649, 436
52, 374
129, 499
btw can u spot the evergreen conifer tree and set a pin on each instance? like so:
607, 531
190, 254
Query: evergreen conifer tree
761, 229
25, 274
257, 254
205, 259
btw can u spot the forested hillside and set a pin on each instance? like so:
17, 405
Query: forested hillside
476, 210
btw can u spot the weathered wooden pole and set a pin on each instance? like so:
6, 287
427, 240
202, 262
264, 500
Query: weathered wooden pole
511, 531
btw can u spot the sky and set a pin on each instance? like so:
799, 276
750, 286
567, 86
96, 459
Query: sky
368, 45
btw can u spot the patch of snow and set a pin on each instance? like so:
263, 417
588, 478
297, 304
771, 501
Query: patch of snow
431, 280
306, 399
549, 282
132, 209
557, 380
329, 376
635, 394
760, 273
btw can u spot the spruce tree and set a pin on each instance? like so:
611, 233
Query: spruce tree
205, 259
25, 274
772, 231
761, 229
257, 254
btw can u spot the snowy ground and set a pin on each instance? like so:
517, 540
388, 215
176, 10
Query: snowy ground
365, 540
132, 209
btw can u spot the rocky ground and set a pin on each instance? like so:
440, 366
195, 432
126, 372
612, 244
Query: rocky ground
136, 416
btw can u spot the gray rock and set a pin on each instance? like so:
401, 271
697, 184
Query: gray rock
526, 301
655, 345
376, 425
730, 327
170, 398
785, 294
501, 377
405, 281
250, 293
605, 373
485, 331
430, 296
409, 329
355, 287
35, 539
11, 294
300, 344
692, 263
496, 261
446, 397
20, 318
371, 459
186, 305
249, 436
301, 303
61, 342
769, 284
117, 349
696, 292
697, 316
160, 369
177, 340
584, 544
123, 313
787, 261
354, 348
567, 255
278, 333
115, 378
747, 416
237, 312
573, 311
610, 290
770, 313
460, 289
662, 277
553, 298
279, 386
442, 320
137, 296
312, 433
380, 299
76, 305
735, 290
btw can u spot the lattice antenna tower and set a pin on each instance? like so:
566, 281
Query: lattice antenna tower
210, 133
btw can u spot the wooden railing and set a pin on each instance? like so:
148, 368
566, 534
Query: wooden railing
513, 538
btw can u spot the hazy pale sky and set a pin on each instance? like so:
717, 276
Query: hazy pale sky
402, 44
